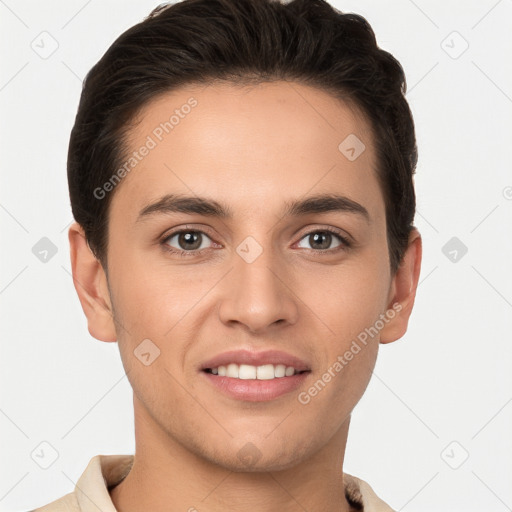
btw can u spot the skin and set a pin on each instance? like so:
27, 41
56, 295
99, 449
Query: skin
253, 149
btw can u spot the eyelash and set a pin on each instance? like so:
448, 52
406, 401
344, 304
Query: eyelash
345, 243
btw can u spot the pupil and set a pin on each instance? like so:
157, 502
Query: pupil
317, 237
189, 240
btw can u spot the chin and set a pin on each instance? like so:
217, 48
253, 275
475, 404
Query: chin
263, 465
259, 456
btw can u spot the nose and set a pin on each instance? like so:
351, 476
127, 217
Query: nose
258, 295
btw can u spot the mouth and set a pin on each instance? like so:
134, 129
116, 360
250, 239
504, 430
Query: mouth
255, 377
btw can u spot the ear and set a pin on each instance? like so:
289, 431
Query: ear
403, 290
91, 286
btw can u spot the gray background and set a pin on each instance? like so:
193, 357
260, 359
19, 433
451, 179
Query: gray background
433, 430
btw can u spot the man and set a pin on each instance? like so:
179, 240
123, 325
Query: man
240, 173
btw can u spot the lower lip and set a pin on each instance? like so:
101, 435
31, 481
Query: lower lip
254, 390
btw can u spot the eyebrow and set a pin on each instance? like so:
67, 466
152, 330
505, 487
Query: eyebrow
323, 203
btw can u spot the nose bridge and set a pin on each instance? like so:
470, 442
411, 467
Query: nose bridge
256, 294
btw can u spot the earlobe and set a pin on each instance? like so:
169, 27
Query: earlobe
403, 290
90, 284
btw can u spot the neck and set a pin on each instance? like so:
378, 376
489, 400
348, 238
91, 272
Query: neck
166, 476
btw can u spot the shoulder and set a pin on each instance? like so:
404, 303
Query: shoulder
360, 494
67, 503
101, 473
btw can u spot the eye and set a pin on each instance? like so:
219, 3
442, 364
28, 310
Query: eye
186, 241
321, 240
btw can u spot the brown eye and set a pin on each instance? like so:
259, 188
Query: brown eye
322, 240
187, 240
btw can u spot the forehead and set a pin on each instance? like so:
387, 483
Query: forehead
249, 146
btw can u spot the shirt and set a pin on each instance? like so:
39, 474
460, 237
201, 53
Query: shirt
91, 493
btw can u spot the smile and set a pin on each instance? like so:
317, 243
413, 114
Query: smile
248, 372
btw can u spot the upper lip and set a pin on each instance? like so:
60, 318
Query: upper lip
255, 359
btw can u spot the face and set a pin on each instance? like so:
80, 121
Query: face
256, 269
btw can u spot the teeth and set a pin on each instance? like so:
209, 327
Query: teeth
280, 370
232, 371
265, 372
247, 371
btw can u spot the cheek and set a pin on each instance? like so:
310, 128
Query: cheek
165, 305
349, 350
152, 306
152, 298
346, 299
346, 305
